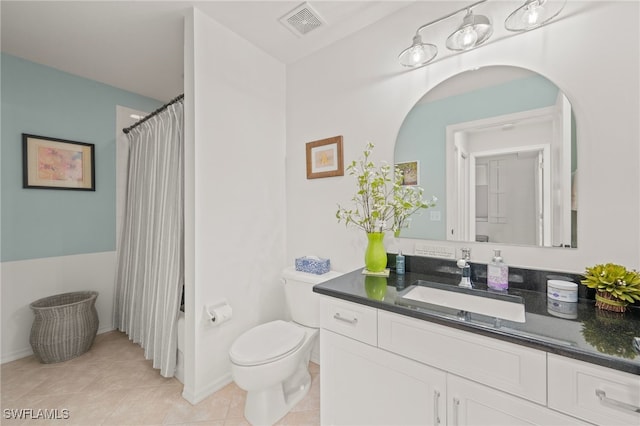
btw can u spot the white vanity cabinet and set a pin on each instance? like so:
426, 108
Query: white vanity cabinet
472, 404
593, 393
356, 321
413, 372
505, 366
366, 385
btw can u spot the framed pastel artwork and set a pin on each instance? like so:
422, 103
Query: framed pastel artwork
51, 163
324, 158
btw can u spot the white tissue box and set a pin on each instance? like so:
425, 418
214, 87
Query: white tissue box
313, 265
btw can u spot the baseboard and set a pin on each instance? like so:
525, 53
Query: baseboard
196, 397
25, 352
12, 356
106, 329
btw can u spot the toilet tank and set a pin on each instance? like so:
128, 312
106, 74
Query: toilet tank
303, 303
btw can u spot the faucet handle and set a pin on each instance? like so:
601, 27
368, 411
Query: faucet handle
466, 253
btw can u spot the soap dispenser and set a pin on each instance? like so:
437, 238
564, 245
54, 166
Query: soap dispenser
465, 280
497, 273
400, 263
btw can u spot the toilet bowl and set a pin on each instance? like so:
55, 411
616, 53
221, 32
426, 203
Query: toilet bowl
271, 361
274, 381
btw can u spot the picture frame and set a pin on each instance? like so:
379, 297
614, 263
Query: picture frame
52, 163
324, 158
410, 172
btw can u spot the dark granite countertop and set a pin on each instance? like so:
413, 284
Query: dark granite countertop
579, 331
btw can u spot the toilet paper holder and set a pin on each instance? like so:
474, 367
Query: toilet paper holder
218, 313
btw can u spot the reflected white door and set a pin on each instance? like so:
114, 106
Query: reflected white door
562, 173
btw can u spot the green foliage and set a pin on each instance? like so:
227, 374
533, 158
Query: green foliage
621, 283
382, 203
610, 333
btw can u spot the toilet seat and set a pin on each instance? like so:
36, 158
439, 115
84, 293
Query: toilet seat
266, 343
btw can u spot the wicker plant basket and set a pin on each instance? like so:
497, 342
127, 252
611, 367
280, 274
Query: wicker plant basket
64, 327
607, 302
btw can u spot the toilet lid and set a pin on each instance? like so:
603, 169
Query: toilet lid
266, 343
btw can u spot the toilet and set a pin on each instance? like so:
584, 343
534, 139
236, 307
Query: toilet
271, 360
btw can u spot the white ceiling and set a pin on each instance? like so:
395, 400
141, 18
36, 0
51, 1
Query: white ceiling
138, 45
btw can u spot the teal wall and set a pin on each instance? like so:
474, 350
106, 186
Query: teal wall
43, 101
422, 136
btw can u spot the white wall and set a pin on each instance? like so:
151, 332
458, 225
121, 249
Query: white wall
356, 88
26, 281
234, 194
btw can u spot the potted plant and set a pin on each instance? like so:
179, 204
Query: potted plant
382, 203
615, 286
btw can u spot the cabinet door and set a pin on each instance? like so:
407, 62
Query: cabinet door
364, 385
469, 403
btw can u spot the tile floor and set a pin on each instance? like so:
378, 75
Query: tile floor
112, 384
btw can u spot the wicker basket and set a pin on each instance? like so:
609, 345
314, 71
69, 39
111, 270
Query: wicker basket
65, 326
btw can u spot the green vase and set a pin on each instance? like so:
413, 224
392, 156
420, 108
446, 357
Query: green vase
375, 287
375, 257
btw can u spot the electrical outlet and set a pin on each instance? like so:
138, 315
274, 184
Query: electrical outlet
422, 249
435, 215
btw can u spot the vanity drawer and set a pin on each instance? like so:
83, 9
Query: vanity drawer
593, 393
352, 320
501, 365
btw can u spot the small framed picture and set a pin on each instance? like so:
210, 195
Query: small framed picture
410, 172
324, 158
50, 163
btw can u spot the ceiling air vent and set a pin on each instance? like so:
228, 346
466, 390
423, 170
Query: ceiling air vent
302, 20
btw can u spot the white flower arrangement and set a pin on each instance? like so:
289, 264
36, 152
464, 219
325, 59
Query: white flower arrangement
382, 202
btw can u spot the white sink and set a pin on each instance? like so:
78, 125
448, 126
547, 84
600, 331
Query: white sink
481, 302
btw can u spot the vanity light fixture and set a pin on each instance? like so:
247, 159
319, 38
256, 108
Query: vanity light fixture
532, 14
420, 53
475, 30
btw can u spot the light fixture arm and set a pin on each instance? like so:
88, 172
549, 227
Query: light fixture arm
467, 8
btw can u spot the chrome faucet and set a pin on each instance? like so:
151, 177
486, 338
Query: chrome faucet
463, 264
464, 316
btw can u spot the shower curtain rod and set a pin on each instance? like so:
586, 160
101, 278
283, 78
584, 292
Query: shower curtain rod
159, 110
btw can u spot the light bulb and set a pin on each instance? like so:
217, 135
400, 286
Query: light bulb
417, 54
533, 12
469, 37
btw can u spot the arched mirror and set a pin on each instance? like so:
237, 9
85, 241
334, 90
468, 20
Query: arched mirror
497, 147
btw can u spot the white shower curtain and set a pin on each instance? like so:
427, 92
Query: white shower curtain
150, 265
